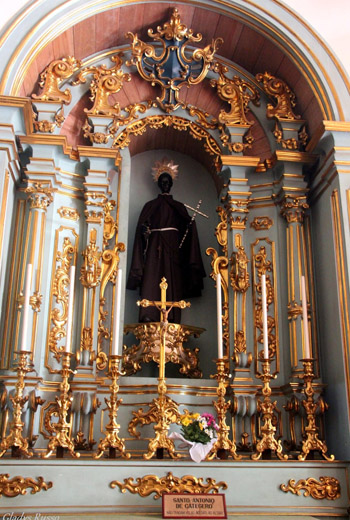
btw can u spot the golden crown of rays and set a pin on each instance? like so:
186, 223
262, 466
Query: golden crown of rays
164, 166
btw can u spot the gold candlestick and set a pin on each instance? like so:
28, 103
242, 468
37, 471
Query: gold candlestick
311, 442
61, 439
266, 408
223, 444
112, 440
15, 439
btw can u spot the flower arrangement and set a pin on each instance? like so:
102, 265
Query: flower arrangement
198, 428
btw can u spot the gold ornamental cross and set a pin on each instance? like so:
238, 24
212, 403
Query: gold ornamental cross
164, 308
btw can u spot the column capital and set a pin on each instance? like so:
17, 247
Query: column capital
40, 195
293, 208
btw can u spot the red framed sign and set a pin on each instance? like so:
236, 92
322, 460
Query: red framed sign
193, 505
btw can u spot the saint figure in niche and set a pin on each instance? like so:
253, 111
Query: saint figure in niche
166, 245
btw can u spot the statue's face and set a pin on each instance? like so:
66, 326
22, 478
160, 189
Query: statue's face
165, 182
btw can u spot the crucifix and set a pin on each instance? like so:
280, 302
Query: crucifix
164, 308
163, 410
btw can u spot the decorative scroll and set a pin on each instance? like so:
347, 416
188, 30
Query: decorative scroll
263, 262
219, 265
179, 123
285, 98
109, 269
326, 487
19, 485
52, 76
221, 229
261, 223
59, 315
145, 486
237, 93
105, 83
171, 67
148, 348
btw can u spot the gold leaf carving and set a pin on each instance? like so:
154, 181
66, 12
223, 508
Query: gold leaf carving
238, 93
91, 269
40, 195
179, 123
61, 281
260, 223
19, 485
221, 229
51, 78
285, 98
326, 487
68, 213
239, 273
172, 39
145, 486
105, 83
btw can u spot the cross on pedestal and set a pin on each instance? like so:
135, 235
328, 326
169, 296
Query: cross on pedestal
164, 308
163, 411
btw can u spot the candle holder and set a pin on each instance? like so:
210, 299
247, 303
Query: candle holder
163, 412
268, 442
311, 443
15, 439
61, 439
223, 445
112, 440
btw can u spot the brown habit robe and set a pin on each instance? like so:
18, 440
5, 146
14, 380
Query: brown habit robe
156, 254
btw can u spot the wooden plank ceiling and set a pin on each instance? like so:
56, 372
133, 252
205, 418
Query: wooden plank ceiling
242, 45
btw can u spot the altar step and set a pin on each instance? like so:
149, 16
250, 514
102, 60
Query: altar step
140, 516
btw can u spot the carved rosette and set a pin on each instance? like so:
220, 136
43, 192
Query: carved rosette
19, 485
145, 486
324, 488
40, 195
293, 209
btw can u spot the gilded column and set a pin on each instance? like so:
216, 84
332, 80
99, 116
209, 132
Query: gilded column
40, 196
96, 197
294, 206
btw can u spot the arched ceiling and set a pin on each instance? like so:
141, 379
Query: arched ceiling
250, 46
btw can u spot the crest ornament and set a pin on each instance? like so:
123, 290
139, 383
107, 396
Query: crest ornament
166, 62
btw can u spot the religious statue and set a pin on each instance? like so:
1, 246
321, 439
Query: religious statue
166, 245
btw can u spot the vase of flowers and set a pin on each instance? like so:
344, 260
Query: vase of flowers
198, 428
198, 432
